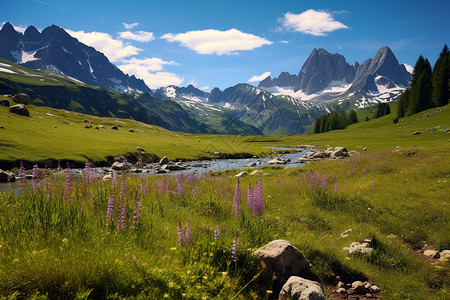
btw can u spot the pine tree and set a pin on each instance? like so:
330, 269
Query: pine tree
403, 103
420, 90
352, 117
441, 78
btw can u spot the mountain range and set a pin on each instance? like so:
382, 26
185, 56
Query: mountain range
287, 104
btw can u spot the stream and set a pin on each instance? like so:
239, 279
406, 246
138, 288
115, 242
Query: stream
202, 166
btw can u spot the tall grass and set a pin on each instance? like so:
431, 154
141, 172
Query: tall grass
54, 248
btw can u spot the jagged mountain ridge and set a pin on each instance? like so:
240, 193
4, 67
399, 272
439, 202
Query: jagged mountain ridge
54, 49
327, 77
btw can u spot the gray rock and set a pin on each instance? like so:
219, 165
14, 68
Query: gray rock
444, 254
22, 98
107, 177
140, 149
87, 126
117, 166
3, 176
358, 287
243, 173
256, 172
417, 132
115, 127
339, 152
298, 288
375, 289
253, 164
164, 161
282, 258
341, 290
361, 248
131, 130
431, 254
19, 109
277, 161
5, 102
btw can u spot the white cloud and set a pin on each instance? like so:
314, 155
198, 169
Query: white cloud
130, 26
152, 64
409, 68
114, 49
314, 22
259, 77
139, 36
283, 42
218, 42
204, 88
145, 69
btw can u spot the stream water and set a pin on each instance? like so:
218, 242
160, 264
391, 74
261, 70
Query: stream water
211, 165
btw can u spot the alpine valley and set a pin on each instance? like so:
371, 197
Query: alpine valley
57, 70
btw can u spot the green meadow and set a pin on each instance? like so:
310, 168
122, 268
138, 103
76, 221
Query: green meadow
78, 237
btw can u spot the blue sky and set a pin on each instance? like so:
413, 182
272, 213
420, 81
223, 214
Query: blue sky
222, 43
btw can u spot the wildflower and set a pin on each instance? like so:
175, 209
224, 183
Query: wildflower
188, 233
179, 188
22, 173
250, 197
121, 218
67, 183
336, 188
136, 215
194, 192
123, 186
35, 175
59, 167
180, 234
87, 171
217, 233
144, 188
114, 180
235, 250
324, 181
237, 199
109, 212
258, 200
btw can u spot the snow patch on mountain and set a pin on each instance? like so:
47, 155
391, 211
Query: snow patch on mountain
7, 70
170, 92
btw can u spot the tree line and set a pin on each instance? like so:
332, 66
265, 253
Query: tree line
429, 87
334, 120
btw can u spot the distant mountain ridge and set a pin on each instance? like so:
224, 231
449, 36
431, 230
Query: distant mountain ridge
54, 49
325, 77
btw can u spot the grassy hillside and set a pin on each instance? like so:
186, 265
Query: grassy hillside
37, 139
69, 240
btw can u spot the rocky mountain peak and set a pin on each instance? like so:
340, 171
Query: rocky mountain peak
31, 34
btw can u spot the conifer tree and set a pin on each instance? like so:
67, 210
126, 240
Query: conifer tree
403, 103
420, 90
441, 78
352, 117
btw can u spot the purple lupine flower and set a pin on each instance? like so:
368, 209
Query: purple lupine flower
59, 167
188, 234
373, 186
250, 197
258, 200
125, 165
87, 171
123, 186
235, 250
194, 192
35, 176
121, 217
349, 173
324, 181
136, 216
22, 173
237, 199
114, 180
217, 233
179, 188
180, 233
67, 183
144, 188
109, 212
336, 188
